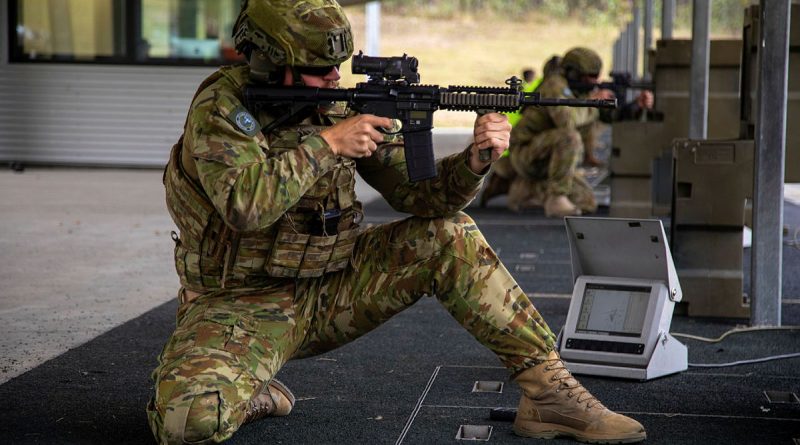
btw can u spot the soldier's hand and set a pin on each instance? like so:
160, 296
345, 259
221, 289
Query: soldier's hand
492, 132
645, 100
356, 137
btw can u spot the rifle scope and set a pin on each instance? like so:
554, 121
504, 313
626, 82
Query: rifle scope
387, 68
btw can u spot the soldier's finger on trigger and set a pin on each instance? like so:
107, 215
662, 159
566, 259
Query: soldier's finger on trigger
378, 121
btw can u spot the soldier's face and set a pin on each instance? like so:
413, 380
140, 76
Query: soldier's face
595, 79
329, 80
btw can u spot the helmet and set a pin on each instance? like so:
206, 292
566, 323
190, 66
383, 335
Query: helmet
579, 62
553, 65
277, 33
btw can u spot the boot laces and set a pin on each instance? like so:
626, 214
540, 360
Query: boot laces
567, 381
259, 406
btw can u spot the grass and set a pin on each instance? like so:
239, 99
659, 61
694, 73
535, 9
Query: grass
469, 51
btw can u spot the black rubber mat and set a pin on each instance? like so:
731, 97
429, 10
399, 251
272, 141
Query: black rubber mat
410, 380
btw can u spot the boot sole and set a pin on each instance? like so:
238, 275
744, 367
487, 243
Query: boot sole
277, 384
551, 431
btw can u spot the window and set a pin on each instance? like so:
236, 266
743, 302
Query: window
180, 32
67, 29
189, 29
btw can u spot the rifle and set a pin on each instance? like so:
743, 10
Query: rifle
392, 91
621, 82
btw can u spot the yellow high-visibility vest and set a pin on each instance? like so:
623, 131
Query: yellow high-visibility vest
515, 116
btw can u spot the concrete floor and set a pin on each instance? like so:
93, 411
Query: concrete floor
82, 251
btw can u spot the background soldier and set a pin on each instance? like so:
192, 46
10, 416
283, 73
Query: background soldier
548, 143
274, 266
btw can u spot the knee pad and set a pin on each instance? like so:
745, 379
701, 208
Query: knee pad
193, 422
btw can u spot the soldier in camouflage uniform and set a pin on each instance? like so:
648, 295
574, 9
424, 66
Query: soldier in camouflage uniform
548, 143
274, 265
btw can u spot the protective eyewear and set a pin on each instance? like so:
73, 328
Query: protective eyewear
316, 70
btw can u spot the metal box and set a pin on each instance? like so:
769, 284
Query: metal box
712, 191
634, 145
673, 77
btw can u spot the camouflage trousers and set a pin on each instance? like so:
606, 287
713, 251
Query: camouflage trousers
231, 343
545, 167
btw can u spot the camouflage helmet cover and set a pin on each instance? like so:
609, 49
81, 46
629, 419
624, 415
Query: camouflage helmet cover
295, 33
583, 60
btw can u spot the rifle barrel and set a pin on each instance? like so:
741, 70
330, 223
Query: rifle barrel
593, 103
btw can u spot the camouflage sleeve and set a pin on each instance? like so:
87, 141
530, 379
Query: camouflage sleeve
249, 189
452, 190
528, 127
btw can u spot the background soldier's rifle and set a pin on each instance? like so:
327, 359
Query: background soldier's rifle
391, 91
621, 82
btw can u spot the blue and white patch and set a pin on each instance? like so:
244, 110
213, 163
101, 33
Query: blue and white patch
567, 92
245, 121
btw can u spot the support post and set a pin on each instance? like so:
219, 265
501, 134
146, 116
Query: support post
373, 31
667, 18
648, 37
624, 54
5, 51
636, 28
770, 144
698, 90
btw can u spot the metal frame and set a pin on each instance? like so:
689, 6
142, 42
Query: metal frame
770, 140
667, 18
648, 38
5, 44
373, 28
635, 26
698, 90
127, 13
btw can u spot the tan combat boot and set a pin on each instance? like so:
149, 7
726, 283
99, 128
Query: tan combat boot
554, 404
560, 206
277, 400
496, 186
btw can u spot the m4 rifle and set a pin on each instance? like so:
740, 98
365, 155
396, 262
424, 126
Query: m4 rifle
392, 90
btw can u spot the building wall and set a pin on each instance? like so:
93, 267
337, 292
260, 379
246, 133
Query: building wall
105, 115
93, 114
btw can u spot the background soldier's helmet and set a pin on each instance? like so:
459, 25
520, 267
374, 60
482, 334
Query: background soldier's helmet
277, 33
579, 62
552, 66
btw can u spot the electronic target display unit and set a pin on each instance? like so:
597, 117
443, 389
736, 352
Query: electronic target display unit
625, 289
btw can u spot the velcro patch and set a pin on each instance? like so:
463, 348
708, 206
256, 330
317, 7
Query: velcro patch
244, 121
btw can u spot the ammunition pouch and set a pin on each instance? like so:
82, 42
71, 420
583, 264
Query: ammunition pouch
307, 256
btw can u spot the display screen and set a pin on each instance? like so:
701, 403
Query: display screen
613, 309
